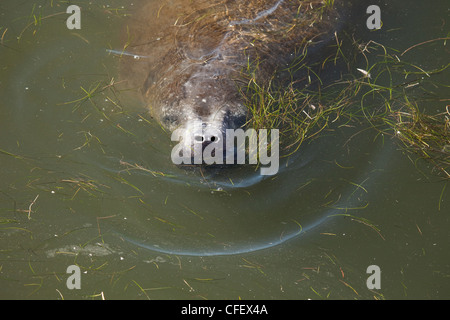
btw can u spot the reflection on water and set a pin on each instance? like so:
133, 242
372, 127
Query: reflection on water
111, 201
271, 224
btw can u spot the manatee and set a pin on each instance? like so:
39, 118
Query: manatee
188, 57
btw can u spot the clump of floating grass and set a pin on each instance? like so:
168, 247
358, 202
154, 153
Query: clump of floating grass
381, 87
299, 115
417, 132
300, 110
427, 136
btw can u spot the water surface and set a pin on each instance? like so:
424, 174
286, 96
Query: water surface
97, 176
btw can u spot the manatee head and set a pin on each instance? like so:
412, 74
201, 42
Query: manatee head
206, 106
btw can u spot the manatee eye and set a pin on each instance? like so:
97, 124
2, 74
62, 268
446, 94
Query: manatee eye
170, 120
235, 121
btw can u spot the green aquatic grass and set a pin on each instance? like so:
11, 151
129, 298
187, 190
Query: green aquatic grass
16, 156
379, 95
402, 114
427, 136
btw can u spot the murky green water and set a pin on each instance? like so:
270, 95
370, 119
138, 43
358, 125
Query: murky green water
90, 182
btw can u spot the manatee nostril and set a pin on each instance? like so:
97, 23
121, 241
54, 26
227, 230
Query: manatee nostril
199, 138
212, 139
202, 139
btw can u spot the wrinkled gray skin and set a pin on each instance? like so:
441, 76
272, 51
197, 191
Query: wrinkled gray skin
189, 55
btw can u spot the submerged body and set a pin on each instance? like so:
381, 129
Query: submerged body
188, 57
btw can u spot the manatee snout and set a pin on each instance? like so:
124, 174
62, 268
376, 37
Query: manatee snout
206, 138
203, 111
